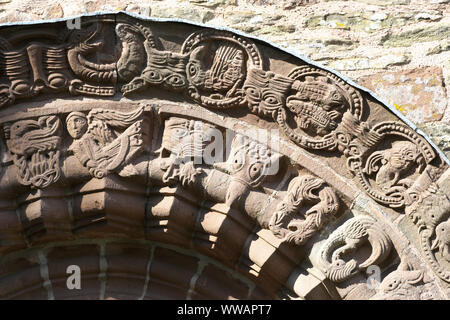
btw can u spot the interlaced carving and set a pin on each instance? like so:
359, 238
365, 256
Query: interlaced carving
289, 223
34, 145
431, 214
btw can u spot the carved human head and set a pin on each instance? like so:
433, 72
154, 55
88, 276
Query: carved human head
76, 124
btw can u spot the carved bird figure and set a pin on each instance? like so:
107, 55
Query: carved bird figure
34, 144
29, 136
348, 238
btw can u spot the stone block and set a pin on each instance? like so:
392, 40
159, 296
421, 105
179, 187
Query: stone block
417, 93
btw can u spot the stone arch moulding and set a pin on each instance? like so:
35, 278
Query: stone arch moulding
317, 190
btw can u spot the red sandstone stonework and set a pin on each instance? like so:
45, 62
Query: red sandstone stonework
183, 162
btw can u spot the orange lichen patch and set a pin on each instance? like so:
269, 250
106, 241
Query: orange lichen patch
400, 108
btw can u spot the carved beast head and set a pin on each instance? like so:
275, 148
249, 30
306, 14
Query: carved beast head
249, 164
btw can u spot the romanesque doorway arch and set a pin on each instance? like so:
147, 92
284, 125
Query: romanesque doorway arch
169, 160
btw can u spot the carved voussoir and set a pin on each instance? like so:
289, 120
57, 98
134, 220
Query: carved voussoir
390, 165
287, 222
431, 215
34, 145
106, 141
407, 282
62, 66
348, 238
221, 147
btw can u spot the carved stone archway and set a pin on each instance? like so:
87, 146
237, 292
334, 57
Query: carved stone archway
107, 135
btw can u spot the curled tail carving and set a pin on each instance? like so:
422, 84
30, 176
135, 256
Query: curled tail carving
353, 234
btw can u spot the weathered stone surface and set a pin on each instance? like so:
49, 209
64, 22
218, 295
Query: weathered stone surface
325, 45
236, 17
215, 165
54, 11
277, 29
359, 22
444, 46
418, 94
417, 35
194, 14
439, 132
370, 22
213, 3
285, 4
385, 2
434, 15
360, 63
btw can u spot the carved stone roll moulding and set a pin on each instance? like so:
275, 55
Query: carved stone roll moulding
163, 97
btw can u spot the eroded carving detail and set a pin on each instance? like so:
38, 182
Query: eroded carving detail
249, 164
186, 141
431, 214
41, 68
316, 109
216, 79
79, 50
391, 166
98, 146
405, 283
388, 174
34, 146
346, 239
294, 226
220, 70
